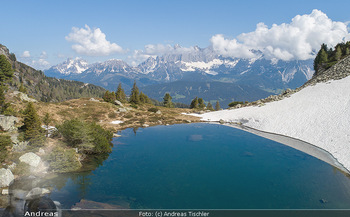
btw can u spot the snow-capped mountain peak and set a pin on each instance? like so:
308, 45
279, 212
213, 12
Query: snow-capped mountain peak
71, 66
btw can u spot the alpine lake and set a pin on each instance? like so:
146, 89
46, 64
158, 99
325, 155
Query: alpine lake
205, 166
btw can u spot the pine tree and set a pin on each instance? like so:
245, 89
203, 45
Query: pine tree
2, 99
109, 97
338, 53
194, 103
321, 58
144, 98
217, 106
210, 107
201, 103
32, 126
167, 101
134, 97
120, 94
6, 71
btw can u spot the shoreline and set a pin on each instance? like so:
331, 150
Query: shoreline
295, 143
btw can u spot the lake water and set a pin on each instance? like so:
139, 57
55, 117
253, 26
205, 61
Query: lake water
197, 166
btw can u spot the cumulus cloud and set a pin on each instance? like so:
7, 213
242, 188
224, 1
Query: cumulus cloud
154, 50
36, 61
297, 40
92, 42
25, 54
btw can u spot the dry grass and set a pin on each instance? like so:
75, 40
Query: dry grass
104, 113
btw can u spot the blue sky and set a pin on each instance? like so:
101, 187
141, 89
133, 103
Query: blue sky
41, 27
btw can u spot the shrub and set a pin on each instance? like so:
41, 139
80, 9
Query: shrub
153, 110
63, 160
22, 169
4, 142
88, 137
232, 104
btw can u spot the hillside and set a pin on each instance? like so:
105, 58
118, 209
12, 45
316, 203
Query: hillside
45, 88
319, 113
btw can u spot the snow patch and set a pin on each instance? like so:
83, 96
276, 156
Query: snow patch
317, 114
116, 122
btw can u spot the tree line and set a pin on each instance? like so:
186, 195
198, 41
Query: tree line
327, 57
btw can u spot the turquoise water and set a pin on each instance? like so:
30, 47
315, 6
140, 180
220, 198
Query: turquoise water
197, 166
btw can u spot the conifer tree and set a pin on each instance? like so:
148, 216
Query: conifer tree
347, 51
2, 99
32, 126
210, 106
144, 98
167, 101
338, 53
6, 71
109, 97
217, 106
135, 97
201, 103
194, 103
120, 94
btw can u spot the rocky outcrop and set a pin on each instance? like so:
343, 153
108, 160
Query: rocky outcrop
31, 159
6, 177
23, 96
336, 72
7, 123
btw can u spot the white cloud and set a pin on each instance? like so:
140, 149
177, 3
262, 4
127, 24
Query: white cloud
154, 50
36, 61
298, 40
92, 42
25, 54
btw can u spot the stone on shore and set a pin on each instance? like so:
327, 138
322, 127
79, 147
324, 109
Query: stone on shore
31, 159
6, 177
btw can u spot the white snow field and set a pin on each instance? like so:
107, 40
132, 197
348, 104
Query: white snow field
318, 114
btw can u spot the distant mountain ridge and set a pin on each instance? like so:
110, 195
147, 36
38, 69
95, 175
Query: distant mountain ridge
195, 65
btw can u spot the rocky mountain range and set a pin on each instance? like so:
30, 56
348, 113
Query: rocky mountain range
197, 67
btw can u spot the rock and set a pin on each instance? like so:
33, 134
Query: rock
41, 151
201, 112
323, 201
7, 123
23, 96
94, 100
5, 191
122, 110
238, 106
117, 102
116, 135
12, 166
37, 192
20, 147
188, 121
158, 112
221, 121
6, 177
14, 137
31, 159
145, 125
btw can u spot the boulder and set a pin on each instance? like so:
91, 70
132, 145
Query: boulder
31, 159
145, 125
117, 102
94, 100
24, 97
122, 110
6, 177
7, 123
158, 112
20, 147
